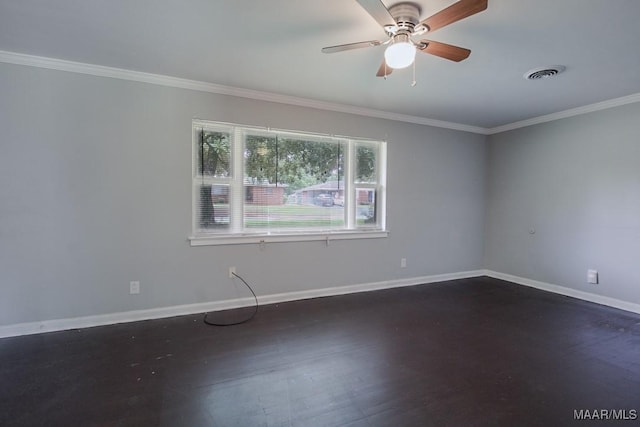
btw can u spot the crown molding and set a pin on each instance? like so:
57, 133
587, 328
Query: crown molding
598, 106
176, 82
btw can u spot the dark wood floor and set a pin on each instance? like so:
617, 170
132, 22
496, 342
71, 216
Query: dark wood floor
460, 353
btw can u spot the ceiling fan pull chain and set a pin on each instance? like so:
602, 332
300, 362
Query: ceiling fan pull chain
413, 83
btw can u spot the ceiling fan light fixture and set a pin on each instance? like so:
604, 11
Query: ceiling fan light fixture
401, 53
402, 23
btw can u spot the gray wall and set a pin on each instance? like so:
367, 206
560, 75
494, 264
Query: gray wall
575, 181
95, 191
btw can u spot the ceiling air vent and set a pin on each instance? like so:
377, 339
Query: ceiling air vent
543, 72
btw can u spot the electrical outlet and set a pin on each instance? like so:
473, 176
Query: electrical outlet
592, 276
403, 263
232, 272
134, 287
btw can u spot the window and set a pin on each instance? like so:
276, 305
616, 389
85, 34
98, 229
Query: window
258, 185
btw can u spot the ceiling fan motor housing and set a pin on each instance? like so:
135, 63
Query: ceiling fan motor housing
406, 15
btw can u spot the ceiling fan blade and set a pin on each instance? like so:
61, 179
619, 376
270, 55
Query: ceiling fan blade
350, 46
446, 51
455, 12
378, 11
384, 69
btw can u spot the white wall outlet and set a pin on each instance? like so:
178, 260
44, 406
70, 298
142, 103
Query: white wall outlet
592, 276
134, 287
403, 263
232, 272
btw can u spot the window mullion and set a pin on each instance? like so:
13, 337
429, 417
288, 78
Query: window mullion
349, 193
381, 200
237, 182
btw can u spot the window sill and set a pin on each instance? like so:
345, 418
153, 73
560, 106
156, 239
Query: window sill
228, 239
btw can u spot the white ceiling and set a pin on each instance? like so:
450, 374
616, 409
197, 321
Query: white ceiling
274, 46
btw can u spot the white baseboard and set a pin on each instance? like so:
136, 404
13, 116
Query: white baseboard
574, 293
180, 310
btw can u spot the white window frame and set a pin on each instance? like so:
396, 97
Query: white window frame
237, 234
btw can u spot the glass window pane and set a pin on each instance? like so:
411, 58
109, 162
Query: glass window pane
366, 161
214, 154
214, 207
260, 178
365, 206
305, 189
260, 160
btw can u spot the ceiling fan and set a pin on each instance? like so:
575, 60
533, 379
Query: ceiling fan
402, 23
